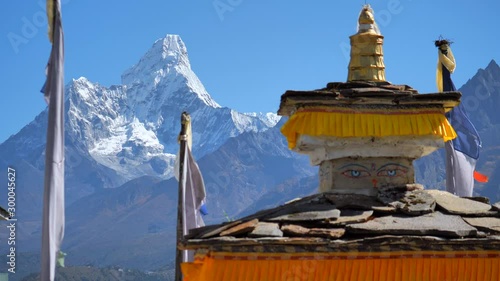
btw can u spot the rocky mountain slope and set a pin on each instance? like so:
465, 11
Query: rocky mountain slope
481, 97
121, 143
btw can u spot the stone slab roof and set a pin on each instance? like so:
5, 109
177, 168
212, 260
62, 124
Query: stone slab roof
4, 215
404, 218
365, 93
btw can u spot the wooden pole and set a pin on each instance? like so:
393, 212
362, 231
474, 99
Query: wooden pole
181, 195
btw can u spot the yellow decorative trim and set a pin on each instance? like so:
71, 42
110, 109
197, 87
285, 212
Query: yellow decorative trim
366, 122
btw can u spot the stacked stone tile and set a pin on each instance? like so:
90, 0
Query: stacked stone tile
398, 218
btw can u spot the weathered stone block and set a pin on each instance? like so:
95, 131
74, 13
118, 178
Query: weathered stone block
240, 228
488, 224
266, 229
456, 205
435, 223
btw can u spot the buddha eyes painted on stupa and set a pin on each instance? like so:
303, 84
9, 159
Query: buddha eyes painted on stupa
356, 173
392, 170
387, 170
373, 172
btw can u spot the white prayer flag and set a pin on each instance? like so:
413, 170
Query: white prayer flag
53, 198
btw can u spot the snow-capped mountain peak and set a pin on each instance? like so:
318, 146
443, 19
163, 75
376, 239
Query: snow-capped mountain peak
165, 53
173, 49
164, 67
269, 118
128, 131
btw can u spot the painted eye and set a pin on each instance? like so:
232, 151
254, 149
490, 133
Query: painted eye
355, 174
391, 173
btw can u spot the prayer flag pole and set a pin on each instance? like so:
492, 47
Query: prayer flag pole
185, 118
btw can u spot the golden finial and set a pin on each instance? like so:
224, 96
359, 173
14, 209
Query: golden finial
367, 56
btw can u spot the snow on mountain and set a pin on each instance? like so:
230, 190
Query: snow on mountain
269, 118
132, 128
245, 121
166, 60
247, 169
122, 133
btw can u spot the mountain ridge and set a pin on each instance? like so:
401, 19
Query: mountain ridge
120, 151
481, 99
132, 128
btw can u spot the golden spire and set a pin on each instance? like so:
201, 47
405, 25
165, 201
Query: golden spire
367, 55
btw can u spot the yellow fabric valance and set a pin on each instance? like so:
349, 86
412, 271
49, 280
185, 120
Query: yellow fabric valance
394, 266
365, 122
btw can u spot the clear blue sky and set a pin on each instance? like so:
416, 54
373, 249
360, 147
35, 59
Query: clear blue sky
247, 53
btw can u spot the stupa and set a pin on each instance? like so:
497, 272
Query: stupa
369, 220
365, 133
